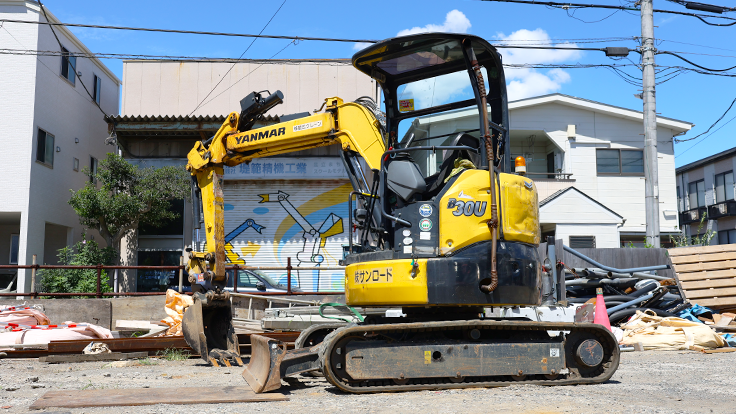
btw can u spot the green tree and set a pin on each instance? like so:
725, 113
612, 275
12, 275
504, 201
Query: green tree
84, 253
128, 196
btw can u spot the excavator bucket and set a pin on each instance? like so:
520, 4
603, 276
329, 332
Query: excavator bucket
270, 361
208, 329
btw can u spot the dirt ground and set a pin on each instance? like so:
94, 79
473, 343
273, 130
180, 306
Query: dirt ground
646, 382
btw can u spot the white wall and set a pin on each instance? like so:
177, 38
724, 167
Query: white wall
624, 195
176, 88
606, 235
34, 95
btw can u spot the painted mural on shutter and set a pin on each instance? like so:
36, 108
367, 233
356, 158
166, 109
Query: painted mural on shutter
268, 221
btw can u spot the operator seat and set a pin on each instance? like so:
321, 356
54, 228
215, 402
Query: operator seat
436, 181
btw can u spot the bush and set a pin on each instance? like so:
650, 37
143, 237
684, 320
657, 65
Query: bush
84, 253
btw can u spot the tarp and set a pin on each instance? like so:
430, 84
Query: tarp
22, 316
176, 303
671, 333
44, 336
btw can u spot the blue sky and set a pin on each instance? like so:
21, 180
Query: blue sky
691, 97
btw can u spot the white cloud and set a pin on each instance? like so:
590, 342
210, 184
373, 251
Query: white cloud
455, 22
524, 82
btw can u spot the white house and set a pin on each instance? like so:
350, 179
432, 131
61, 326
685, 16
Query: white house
586, 159
50, 128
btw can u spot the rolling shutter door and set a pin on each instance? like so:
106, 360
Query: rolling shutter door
268, 221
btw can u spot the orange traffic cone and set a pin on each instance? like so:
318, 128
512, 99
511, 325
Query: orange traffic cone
601, 315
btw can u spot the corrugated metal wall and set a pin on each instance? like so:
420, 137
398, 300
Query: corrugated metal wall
268, 221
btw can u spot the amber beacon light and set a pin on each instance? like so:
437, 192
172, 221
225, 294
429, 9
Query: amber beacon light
520, 164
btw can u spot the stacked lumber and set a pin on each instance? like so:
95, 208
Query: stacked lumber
707, 274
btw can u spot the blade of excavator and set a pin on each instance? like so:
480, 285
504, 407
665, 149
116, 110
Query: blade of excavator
208, 329
270, 361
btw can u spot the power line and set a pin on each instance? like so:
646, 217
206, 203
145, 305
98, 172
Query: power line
695, 64
719, 128
567, 6
241, 56
710, 127
197, 32
712, 8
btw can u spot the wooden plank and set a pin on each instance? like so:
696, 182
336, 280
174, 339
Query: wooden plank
715, 274
150, 396
697, 267
121, 344
724, 302
725, 320
107, 356
684, 251
710, 293
705, 284
703, 258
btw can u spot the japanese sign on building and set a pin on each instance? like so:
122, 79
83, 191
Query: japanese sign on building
321, 168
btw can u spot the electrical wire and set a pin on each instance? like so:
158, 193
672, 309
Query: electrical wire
693, 63
241, 56
567, 6
719, 128
197, 32
710, 127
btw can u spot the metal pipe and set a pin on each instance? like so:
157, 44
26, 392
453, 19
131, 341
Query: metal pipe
613, 269
181, 274
33, 274
304, 302
288, 275
629, 303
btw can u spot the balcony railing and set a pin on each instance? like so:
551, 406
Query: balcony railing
693, 215
724, 209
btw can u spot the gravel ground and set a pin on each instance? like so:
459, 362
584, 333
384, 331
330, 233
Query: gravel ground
646, 382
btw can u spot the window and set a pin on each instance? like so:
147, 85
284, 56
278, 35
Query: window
724, 187
174, 227
727, 237
696, 194
97, 89
158, 280
45, 148
14, 245
68, 66
582, 242
93, 169
75, 165
619, 162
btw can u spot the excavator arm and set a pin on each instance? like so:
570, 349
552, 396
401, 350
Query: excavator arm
352, 125
349, 124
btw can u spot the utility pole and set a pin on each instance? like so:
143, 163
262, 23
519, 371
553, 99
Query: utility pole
651, 170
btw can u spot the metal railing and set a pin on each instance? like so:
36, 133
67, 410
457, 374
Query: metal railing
99, 268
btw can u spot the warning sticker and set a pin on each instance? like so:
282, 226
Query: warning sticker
406, 105
554, 352
310, 125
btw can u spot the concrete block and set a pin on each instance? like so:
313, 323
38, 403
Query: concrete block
139, 308
95, 311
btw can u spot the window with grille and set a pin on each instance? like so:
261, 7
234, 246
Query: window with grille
582, 242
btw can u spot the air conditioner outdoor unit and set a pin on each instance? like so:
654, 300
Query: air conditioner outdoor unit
722, 208
694, 215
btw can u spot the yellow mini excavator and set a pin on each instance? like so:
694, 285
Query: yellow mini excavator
444, 230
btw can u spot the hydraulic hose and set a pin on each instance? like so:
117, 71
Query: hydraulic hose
488, 140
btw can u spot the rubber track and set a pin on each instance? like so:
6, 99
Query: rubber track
608, 341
